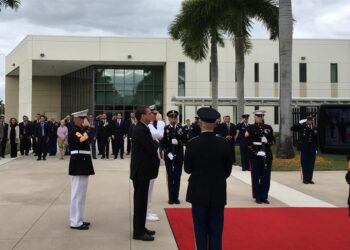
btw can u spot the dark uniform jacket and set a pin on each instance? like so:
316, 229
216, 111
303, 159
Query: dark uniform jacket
308, 139
195, 130
79, 164
208, 159
228, 131
166, 143
144, 157
241, 127
255, 133
25, 130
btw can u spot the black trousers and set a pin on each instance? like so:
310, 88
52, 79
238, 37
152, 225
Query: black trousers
25, 144
208, 227
140, 206
174, 178
128, 144
119, 145
35, 146
3, 147
42, 148
99, 145
104, 146
113, 146
13, 149
307, 160
244, 156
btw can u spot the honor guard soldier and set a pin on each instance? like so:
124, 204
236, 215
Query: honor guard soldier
208, 159
80, 167
172, 143
242, 127
308, 144
259, 138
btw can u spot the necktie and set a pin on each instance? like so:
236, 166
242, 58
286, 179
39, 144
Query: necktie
42, 129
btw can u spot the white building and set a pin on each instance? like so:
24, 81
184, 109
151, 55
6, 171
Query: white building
56, 75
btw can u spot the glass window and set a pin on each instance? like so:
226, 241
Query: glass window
334, 72
302, 72
276, 115
256, 72
275, 72
181, 79
99, 76
100, 97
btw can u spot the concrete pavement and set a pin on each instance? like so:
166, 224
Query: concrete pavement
34, 204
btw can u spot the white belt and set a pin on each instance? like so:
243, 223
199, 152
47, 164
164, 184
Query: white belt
83, 152
257, 143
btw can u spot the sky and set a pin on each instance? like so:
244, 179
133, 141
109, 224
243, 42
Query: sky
145, 18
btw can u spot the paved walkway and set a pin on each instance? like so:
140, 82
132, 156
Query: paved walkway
34, 203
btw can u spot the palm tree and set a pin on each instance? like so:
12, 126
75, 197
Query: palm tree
13, 4
285, 145
197, 25
238, 22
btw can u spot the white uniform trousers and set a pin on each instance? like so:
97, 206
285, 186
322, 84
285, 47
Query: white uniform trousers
150, 193
77, 201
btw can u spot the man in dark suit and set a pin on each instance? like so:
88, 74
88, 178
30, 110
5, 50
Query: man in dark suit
4, 127
42, 134
144, 167
118, 133
228, 131
208, 159
53, 126
34, 142
131, 121
243, 148
25, 133
104, 132
93, 135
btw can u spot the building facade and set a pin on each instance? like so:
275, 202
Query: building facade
57, 75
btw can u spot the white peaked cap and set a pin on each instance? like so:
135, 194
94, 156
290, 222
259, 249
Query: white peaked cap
82, 113
259, 112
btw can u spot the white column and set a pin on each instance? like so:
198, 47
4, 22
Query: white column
25, 89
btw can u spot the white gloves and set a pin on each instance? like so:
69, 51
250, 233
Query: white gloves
174, 141
263, 139
261, 153
302, 121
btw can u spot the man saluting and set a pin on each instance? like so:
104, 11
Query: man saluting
80, 167
208, 159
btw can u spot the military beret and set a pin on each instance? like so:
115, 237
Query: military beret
172, 114
209, 115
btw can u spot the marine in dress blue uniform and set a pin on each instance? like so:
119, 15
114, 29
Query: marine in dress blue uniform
308, 144
242, 127
208, 160
80, 168
259, 137
172, 143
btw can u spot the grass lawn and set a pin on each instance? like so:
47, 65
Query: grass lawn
323, 162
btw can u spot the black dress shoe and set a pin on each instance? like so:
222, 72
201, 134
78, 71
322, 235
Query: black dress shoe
39, 159
116, 157
305, 182
311, 182
121, 157
258, 201
177, 202
94, 158
103, 157
44, 158
145, 237
150, 232
170, 202
86, 223
266, 201
107, 157
82, 227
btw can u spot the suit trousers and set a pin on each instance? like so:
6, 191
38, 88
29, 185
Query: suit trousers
119, 145
208, 225
307, 160
128, 144
79, 186
3, 147
42, 147
140, 206
261, 177
174, 178
13, 149
25, 145
105, 146
93, 147
244, 156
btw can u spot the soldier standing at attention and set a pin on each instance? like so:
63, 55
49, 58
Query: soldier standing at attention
208, 160
308, 147
241, 127
80, 167
172, 143
259, 138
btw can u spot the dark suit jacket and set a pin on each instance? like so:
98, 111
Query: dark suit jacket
28, 129
208, 158
224, 131
144, 158
104, 131
6, 130
119, 130
38, 133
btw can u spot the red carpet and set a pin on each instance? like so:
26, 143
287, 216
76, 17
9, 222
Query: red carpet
271, 228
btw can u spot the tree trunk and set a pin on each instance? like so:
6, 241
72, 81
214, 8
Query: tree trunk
285, 145
239, 53
214, 72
